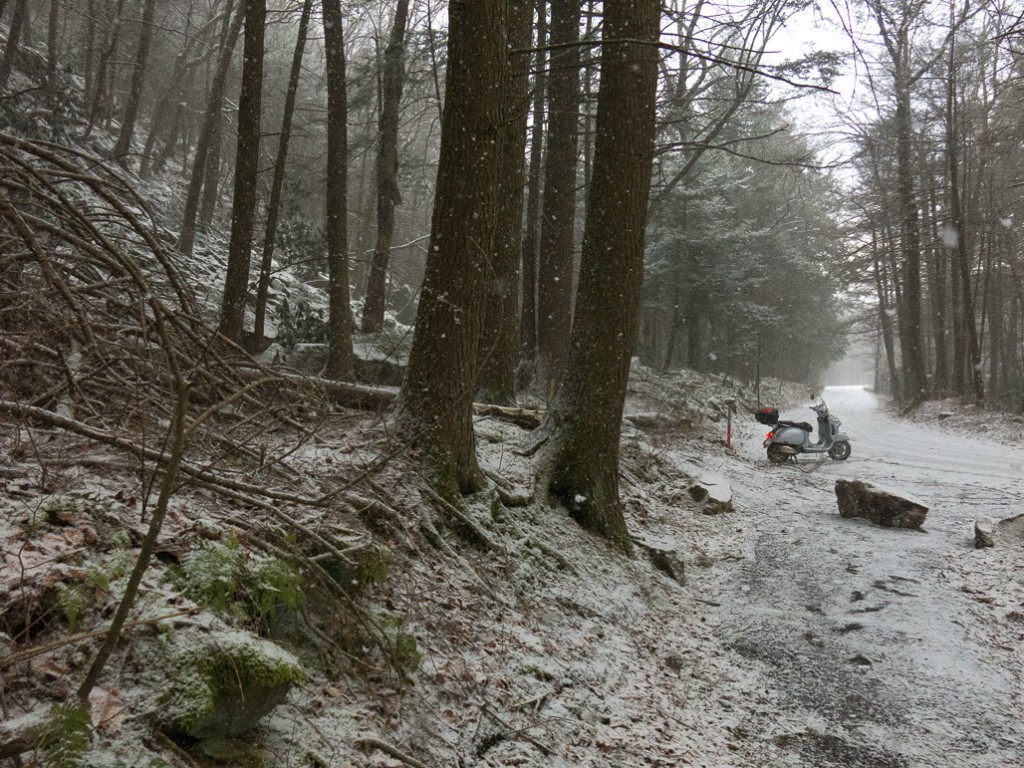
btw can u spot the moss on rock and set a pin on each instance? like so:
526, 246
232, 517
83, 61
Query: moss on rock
221, 683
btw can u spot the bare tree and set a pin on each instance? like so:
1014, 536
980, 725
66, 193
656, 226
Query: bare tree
580, 465
897, 23
186, 237
555, 273
236, 282
102, 95
52, 53
131, 109
340, 357
436, 400
961, 254
528, 309
277, 184
499, 341
13, 41
388, 195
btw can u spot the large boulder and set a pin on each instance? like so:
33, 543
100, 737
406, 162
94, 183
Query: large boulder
218, 685
883, 506
989, 532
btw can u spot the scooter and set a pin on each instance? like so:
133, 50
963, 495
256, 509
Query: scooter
789, 438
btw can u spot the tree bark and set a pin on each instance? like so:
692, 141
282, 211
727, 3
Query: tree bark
186, 238
90, 50
961, 253
435, 406
528, 310
388, 195
938, 298
580, 468
340, 357
555, 278
211, 178
13, 41
52, 54
499, 340
236, 282
277, 184
102, 98
888, 337
131, 110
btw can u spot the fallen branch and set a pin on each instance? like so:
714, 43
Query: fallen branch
100, 436
364, 397
544, 748
395, 752
472, 529
31, 653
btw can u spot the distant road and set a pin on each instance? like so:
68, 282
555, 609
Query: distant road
867, 634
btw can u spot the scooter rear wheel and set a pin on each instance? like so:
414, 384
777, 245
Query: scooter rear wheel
840, 451
776, 454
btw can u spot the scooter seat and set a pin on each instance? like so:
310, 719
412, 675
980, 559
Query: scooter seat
798, 424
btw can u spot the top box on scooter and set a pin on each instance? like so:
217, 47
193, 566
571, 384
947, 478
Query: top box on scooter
767, 415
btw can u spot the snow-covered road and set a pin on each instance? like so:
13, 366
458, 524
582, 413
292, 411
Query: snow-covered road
877, 644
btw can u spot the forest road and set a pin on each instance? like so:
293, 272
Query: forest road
867, 634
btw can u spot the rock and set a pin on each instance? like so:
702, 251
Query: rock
984, 532
888, 508
220, 684
712, 492
989, 532
664, 557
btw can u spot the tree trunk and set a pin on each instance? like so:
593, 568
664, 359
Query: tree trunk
186, 237
89, 44
340, 357
555, 278
13, 41
388, 195
885, 320
102, 96
961, 253
581, 467
528, 311
894, 26
165, 112
915, 380
277, 185
212, 175
52, 54
131, 110
937, 292
236, 282
436, 401
499, 341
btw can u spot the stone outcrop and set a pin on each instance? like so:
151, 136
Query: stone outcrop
712, 492
882, 506
664, 556
990, 533
220, 684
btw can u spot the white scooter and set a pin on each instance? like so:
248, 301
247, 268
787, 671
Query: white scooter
790, 438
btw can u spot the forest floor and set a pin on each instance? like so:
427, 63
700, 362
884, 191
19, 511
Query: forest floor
513, 638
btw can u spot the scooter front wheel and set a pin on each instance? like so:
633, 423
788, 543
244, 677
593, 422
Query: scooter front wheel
776, 455
840, 451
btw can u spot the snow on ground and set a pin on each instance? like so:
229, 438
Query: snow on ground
800, 639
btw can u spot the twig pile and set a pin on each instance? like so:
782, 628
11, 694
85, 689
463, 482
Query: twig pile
98, 331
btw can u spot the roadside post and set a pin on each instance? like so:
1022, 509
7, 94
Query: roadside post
730, 409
